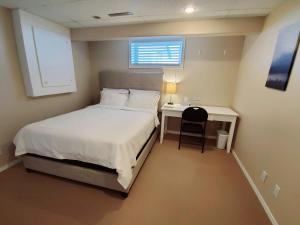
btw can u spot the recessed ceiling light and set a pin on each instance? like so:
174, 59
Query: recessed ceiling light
96, 17
189, 9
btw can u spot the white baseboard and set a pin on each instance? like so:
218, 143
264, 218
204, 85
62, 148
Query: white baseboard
191, 134
256, 191
10, 164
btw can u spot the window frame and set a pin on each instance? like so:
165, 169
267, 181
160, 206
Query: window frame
159, 38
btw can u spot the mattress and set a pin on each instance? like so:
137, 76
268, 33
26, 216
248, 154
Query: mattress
103, 135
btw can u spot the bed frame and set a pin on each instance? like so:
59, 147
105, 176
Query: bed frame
103, 177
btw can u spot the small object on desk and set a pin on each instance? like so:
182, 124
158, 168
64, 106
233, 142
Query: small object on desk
185, 101
169, 106
171, 89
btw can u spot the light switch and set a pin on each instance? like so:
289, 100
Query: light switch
264, 176
276, 190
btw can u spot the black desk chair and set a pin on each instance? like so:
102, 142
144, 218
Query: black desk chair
194, 121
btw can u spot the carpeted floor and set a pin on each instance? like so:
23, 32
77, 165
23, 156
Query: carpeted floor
173, 188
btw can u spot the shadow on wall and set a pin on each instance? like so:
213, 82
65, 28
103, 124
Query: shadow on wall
7, 152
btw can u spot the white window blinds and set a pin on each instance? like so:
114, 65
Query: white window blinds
156, 52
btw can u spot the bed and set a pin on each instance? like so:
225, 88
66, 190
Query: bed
102, 145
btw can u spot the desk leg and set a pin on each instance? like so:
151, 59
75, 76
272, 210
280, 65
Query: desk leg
162, 127
166, 124
230, 136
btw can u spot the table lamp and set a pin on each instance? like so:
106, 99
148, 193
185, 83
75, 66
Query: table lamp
171, 89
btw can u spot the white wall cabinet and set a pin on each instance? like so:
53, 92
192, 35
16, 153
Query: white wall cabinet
45, 53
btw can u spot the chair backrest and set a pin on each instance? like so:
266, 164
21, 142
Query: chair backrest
194, 114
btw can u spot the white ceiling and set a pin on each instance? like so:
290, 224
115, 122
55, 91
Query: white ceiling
78, 13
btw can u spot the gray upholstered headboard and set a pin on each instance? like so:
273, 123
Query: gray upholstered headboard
134, 80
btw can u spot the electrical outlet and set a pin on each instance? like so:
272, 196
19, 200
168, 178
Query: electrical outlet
276, 190
263, 176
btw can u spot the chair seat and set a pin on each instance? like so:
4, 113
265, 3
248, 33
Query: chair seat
192, 128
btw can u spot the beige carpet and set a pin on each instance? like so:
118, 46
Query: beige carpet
173, 188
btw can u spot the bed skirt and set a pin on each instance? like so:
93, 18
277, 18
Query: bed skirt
105, 177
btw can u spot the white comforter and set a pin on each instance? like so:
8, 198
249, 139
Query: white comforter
107, 136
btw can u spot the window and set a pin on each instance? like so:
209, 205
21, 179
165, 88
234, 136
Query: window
156, 52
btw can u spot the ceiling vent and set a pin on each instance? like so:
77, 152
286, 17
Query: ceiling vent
96, 17
120, 14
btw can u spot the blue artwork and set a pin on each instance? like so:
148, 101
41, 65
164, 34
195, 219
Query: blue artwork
284, 56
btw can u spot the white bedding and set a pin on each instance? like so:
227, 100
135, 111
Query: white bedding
103, 135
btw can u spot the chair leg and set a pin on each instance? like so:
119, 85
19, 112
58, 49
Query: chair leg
203, 137
203, 141
179, 143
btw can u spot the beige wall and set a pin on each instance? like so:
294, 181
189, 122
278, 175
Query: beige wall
210, 27
17, 109
209, 75
268, 134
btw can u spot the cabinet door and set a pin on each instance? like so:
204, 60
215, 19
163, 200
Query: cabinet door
54, 56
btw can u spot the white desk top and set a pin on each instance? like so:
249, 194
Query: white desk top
210, 109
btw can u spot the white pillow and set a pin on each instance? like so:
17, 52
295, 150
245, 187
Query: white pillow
119, 91
143, 99
114, 97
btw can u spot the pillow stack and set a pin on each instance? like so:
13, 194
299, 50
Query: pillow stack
132, 98
143, 99
114, 97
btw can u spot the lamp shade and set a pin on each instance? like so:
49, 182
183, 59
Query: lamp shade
171, 88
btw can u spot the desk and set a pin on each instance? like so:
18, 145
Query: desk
223, 114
